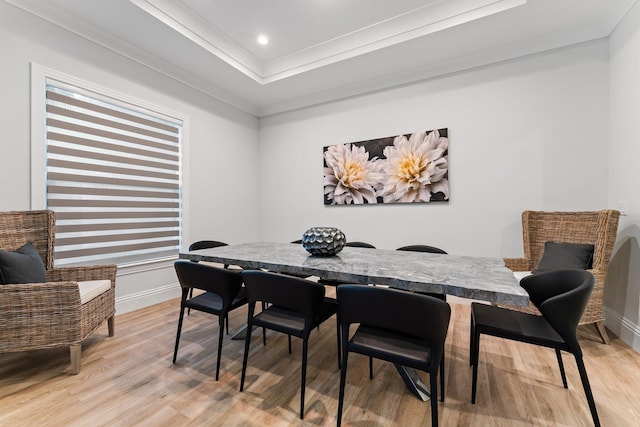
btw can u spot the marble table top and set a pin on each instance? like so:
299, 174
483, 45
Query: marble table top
463, 276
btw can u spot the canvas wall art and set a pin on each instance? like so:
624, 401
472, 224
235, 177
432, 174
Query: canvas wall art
411, 168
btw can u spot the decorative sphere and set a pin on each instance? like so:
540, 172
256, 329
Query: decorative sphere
323, 241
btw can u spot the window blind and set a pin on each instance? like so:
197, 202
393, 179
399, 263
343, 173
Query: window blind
113, 180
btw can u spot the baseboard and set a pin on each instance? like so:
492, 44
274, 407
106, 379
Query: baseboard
628, 331
146, 298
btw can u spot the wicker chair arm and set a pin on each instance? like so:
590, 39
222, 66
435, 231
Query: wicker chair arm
518, 264
83, 272
39, 315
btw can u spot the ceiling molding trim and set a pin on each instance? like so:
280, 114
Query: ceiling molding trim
107, 40
215, 42
417, 23
468, 63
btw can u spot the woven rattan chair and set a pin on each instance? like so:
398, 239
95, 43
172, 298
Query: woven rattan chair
37, 316
593, 227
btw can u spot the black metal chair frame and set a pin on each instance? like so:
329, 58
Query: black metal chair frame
400, 327
561, 296
294, 306
223, 293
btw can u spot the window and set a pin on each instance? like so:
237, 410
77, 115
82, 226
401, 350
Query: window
113, 177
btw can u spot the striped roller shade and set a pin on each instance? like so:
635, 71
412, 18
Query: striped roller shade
113, 180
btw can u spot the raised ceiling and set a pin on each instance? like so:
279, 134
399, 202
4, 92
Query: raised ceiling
322, 50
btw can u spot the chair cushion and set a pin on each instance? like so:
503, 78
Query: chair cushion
390, 346
23, 265
560, 256
514, 325
90, 289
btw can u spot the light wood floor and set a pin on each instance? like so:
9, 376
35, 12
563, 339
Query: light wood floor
129, 380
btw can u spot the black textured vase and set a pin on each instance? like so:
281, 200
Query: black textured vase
323, 241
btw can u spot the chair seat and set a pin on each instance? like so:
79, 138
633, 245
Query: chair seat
212, 303
90, 289
390, 346
281, 320
515, 325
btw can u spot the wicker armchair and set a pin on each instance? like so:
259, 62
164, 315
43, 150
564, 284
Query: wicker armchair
596, 227
45, 315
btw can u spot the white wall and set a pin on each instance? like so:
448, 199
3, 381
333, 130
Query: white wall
623, 294
524, 134
220, 195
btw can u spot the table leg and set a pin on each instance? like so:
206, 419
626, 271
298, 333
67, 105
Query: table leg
413, 382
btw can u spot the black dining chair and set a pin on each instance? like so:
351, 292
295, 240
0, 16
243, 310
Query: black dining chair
294, 307
330, 282
205, 244
223, 293
561, 296
427, 249
400, 327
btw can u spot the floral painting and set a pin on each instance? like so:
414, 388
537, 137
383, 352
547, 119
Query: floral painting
411, 168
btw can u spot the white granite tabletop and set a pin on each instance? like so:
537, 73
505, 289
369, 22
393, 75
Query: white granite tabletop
462, 276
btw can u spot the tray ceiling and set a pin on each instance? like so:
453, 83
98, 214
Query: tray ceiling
322, 50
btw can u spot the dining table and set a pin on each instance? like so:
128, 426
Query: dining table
472, 277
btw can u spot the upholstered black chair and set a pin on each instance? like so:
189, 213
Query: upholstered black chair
295, 307
561, 296
427, 249
329, 282
223, 293
400, 327
205, 244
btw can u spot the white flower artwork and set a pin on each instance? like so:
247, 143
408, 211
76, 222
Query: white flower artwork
411, 168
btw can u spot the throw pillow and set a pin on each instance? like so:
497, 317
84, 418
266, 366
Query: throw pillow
23, 265
559, 256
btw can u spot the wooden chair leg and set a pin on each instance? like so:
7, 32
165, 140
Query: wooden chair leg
75, 351
111, 326
602, 332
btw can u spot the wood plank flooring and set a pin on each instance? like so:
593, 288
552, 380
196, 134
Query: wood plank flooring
129, 380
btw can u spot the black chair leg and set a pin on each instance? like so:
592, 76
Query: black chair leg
587, 390
220, 335
474, 362
562, 374
175, 351
190, 296
441, 379
434, 397
247, 341
472, 330
343, 377
338, 336
370, 367
226, 318
304, 375
289, 343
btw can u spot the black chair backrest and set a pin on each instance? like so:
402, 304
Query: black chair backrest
360, 245
289, 292
220, 281
419, 316
561, 296
422, 248
206, 244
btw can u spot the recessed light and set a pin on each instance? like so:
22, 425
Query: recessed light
263, 40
